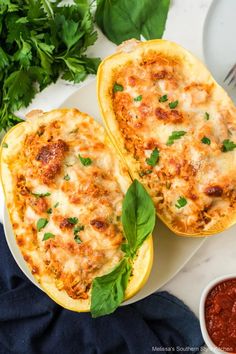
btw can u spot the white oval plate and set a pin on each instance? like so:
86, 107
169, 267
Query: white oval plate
171, 252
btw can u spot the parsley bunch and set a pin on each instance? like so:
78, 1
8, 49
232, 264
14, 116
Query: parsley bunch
40, 41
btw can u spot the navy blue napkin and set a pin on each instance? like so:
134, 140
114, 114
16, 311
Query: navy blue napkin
31, 323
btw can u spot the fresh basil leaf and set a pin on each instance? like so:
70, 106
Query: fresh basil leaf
154, 158
56, 205
41, 223
175, 136
181, 202
163, 98
138, 98
39, 195
206, 140
49, 211
138, 216
174, 104
48, 235
125, 19
228, 145
117, 87
73, 220
86, 161
108, 291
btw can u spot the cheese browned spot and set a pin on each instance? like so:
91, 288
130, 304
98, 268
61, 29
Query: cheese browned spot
201, 173
81, 214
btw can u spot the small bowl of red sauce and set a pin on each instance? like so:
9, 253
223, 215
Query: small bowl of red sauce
218, 314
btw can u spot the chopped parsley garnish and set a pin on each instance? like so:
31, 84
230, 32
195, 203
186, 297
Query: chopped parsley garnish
48, 235
207, 116
138, 98
174, 104
163, 98
181, 202
56, 205
66, 177
206, 140
86, 161
39, 195
4, 145
144, 173
77, 239
175, 136
154, 158
117, 87
168, 185
228, 145
49, 211
41, 223
77, 229
72, 220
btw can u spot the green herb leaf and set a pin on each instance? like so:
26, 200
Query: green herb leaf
48, 235
117, 87
4, 145
207, 116
72, 220
86, 161
77, 229
108, 290
181, 202
228, 145
174, 104
175, 136
56, 205
154, 158
77, 239
138, 216
41, 223
66, 177
163, 98
138, 98
145, 172
49, 211
206, 140
40, 42
39, 195
122, 20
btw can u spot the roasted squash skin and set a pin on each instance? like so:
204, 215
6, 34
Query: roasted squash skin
108, 73
13, 140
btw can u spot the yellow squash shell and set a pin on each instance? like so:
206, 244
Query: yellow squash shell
130, 52
13, 140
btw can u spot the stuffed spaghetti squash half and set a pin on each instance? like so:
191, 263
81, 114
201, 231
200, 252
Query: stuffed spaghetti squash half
64, 186
176, 130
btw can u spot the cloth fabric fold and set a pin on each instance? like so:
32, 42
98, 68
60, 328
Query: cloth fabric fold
31, 323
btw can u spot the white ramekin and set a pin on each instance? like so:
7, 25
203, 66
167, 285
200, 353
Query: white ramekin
205, 292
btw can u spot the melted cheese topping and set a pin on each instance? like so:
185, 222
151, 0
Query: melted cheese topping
200, 173
80, 203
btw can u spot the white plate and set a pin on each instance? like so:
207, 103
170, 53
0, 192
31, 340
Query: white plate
171, 252
219, 41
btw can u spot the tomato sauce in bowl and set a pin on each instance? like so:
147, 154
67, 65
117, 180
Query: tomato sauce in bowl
220, 315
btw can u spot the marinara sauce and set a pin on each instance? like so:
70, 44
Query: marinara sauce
220, 315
